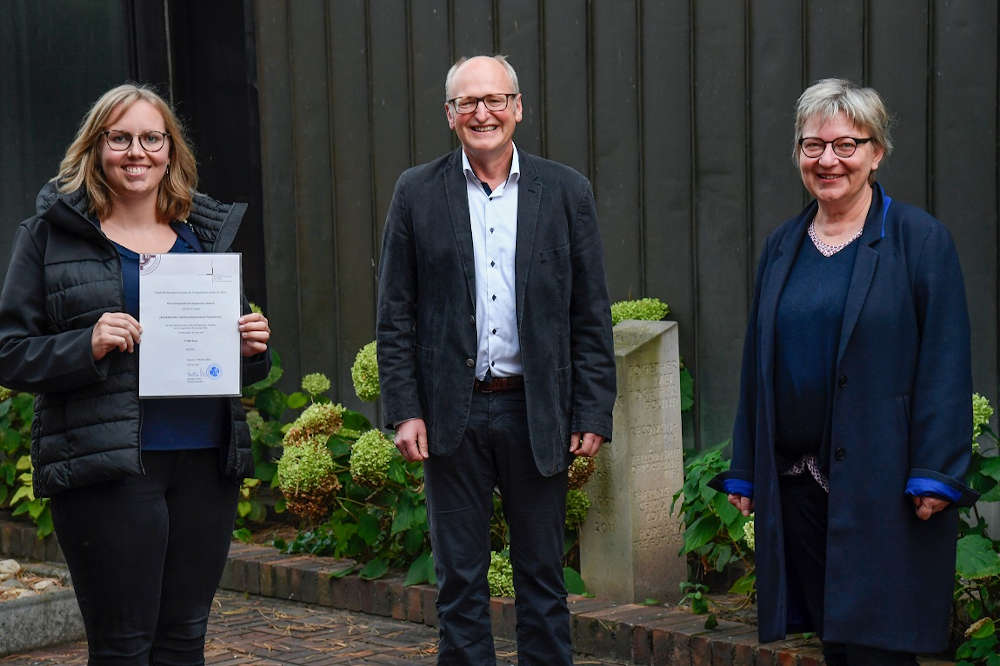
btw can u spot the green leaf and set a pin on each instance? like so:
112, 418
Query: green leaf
273, 375
243, 507
356, 421
397, 472
687, 389
403, 519
413, 540
991, 495
338, 447
991, 468
700, 532
44, 523
744, 584
242, 534
730, 514
374, 569
297, 400
265, 471
711, 622
279, 505
270, 403
368, 528
987, 628
976, 558
422, 569
344, 572
573, 580
723, 554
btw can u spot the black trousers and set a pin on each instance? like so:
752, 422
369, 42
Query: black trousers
146, 554
804, 515
495, 451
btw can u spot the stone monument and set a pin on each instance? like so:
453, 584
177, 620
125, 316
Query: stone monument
629, 542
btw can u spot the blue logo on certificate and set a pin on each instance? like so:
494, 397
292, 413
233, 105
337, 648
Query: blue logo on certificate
213, 371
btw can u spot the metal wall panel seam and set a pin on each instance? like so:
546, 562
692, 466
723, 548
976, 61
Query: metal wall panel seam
640, 111
693, 215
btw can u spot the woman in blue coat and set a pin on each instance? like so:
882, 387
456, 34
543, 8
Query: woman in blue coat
854, 424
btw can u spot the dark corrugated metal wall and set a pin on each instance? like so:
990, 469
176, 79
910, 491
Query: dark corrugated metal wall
680, 111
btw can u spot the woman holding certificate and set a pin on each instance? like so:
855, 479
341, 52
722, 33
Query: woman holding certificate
143, 491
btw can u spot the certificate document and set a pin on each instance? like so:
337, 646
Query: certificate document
189, 307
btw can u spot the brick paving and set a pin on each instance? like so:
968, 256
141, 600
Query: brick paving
246, 629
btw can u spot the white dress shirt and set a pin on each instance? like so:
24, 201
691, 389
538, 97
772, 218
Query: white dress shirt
494, 235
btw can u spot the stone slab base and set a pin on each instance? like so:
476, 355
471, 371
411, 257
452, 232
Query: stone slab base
33, 622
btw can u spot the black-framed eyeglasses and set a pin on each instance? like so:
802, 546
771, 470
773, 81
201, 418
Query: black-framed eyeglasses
493, 102
151, 141
843, 146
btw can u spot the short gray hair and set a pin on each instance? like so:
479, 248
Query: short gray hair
863, 107
502, 59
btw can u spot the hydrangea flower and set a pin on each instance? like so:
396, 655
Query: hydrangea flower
648, 309
577, 506
500, 575
982, 411
315, 383
255, 421
580, 471
305, 466
748, 533
317, 419
364, 373
370, 458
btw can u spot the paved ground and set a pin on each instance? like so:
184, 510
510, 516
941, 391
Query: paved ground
258, 630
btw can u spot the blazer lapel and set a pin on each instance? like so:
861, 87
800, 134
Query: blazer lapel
863, 273
773, 282
529, 199
457, 198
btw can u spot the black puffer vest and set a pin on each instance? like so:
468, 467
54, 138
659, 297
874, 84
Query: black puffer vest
64, 274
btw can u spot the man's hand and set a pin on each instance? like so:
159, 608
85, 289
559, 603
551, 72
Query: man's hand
411, 440
588, 445
928, 506
744, 504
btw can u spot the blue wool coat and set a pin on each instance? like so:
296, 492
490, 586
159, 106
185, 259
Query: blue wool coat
900, 408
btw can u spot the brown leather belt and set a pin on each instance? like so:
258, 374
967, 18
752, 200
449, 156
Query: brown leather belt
497, 384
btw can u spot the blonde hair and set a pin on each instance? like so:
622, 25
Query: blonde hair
863, 107
81, 166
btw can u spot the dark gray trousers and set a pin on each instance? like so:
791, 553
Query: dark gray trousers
495, 452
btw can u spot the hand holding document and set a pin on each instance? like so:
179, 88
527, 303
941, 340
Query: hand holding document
189, 307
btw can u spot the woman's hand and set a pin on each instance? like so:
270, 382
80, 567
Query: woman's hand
744, 504
114, 330
254, 334
928, 506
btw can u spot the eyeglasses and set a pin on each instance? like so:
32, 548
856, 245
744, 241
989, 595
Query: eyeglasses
151, 141
493, 102
843, 146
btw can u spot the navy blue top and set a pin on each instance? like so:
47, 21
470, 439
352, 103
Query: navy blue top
807, 333
174, 424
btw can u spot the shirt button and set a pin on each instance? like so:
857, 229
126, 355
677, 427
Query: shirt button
494, 297
470, 362
840, 454
492, 264
493, 363
842, 382
494, 331
491, 229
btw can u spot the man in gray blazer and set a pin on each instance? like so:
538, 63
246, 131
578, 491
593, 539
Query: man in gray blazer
495, 357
